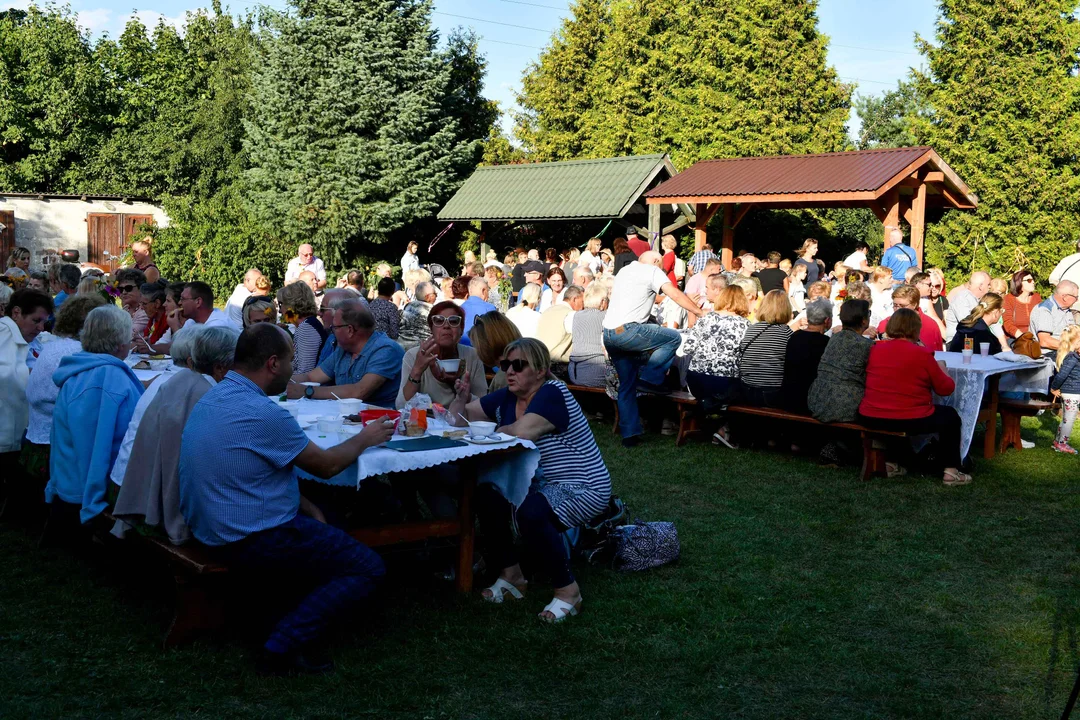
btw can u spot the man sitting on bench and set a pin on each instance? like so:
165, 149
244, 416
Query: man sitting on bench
238, 494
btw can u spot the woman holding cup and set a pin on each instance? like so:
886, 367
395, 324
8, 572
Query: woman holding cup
977, 326
433, 366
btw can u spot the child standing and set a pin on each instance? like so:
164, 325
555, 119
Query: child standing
1067, 384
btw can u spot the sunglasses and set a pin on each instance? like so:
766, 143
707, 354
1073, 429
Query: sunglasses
127, 288
451, 320
518, 365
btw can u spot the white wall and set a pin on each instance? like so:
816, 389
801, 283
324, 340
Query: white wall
48, 226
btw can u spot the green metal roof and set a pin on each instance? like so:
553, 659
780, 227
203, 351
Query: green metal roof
585, 189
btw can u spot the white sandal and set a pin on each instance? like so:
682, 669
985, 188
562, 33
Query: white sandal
560, 609
500, 588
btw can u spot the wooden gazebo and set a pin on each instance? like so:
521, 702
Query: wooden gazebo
897, 184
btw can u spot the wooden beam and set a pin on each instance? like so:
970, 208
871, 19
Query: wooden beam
728, 248
957, 201
702, 222
709, 212
654, 227
681, 221
877, 210
767, 200
917, 221
935, 176
892, 210
741, 213
905, 208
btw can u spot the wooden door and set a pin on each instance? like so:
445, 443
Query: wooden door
7, 234
103, 236
131, 223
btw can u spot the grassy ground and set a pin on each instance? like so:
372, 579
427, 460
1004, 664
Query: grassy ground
801, 594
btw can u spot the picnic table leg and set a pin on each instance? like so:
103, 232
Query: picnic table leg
990, 439
466, 529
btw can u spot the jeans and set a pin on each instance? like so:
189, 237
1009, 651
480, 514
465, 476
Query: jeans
944, 422
769, 397
540, 529
640, 352
340, 571
713, 390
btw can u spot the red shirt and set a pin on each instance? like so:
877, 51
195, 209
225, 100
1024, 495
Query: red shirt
638, 246
668, 266
899, 378
930, 335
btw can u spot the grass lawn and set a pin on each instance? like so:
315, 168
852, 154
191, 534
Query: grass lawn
801, 593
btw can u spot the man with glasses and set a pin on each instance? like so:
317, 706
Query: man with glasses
366, 364
963, 300
906, 297
1053, 315
925, 284
197, 304
305, 260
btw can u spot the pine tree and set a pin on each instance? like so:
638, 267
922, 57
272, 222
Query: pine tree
1005, 115
349, 136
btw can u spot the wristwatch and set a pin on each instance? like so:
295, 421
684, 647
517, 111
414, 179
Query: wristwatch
414, 381
309, 392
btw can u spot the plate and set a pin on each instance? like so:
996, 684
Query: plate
494, 439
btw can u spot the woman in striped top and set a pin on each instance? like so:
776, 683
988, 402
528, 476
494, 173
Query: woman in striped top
762, 351
298, 308
572, 485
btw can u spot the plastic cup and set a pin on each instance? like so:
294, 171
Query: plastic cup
984, 349
967, 356
328, 424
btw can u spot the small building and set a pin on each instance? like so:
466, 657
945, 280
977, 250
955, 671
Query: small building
98, 226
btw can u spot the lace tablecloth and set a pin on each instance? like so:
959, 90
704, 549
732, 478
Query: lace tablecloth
1024, 375
511, 473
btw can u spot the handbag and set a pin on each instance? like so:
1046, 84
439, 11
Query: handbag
1027, 345
645, 545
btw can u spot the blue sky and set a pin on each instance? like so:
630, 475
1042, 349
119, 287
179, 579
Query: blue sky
872, 42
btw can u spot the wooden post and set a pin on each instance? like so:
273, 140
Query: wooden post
918, 221
728, 248
701, 212
483, 243
892, 211
654, 227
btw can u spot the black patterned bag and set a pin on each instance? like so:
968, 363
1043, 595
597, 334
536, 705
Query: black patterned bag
645, 545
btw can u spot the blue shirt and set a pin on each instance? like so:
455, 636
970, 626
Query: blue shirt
59, 300
899, 258
328, 348
473, 306
236, 455
381, 356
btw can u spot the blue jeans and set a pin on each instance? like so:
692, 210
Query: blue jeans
539, 526
640, 352
340, 571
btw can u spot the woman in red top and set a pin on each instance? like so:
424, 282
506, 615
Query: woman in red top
900, 376
668, 244
153, 304
1018, 304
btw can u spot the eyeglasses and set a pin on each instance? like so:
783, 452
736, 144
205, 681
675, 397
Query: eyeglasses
451, 320
901, 306
518, 365
127, 288
335, 327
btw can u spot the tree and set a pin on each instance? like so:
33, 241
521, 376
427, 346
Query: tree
53, 106
351, 136
887, 120
1005, 115
557, 91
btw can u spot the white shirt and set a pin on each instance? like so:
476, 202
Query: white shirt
855, 260
220, 319
292, 272
235, 306
1067, 269
548, 298
880, 305
525, 318
14, 375
593, 262
409, 261
167, 337
634, 294
41, 391
120, 466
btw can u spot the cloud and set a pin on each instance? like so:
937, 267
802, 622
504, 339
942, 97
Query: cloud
96, 21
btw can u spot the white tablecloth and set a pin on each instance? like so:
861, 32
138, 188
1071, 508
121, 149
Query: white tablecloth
511, 473
1022, 376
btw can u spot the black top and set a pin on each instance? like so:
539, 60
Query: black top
517, 277
979, 333
804, 351
622, 260
771, 279
813, 270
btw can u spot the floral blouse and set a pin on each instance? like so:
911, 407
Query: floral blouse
713, 344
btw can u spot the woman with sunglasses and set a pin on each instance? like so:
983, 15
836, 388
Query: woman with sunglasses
128, 282
420, 368
571, 487
939, 303
1018, 304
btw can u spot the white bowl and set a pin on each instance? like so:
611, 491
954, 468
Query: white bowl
481, 428
450, 366
329, 424
350, 406
292, 406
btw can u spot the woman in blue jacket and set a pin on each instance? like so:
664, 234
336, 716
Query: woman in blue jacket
98, 394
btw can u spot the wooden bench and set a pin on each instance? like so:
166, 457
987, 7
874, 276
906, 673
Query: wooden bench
687, 407
873, 446
587, 390
1011, 412
198, 604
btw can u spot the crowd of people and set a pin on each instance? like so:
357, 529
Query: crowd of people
504, 340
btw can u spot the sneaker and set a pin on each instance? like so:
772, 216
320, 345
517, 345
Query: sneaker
1027, 444
632, 441
669, 428
1063, 446
720, 437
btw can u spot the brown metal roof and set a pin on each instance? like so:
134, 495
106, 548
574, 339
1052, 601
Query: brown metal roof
863, 171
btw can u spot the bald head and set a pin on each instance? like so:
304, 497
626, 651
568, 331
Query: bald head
250, 277
979, 284
258, 344
650, 257
1066, 287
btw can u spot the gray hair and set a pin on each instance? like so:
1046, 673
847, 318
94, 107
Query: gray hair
5, 295
717, 281
819, 312
107, 329
69, 275
585, 273
477, 285
530, 293
213, 347
572, 292
423, 289
356, 314
332, 299
595, 295
183, 344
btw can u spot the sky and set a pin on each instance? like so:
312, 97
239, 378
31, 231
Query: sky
872, 42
